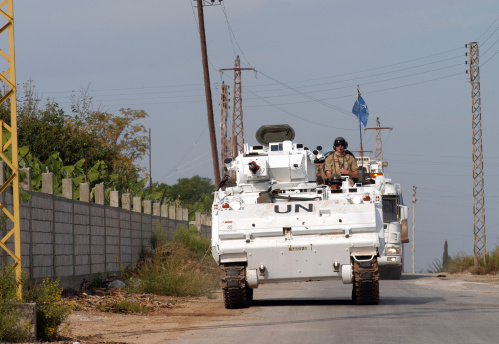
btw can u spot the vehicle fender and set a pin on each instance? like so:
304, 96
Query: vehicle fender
347, 274
252, 278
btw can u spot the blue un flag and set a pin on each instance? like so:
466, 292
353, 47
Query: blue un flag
364, 111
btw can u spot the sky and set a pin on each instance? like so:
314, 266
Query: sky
408, 59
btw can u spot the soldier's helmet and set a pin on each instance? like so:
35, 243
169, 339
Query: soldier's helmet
340, 141
335, 177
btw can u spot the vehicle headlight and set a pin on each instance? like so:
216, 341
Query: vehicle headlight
393, 250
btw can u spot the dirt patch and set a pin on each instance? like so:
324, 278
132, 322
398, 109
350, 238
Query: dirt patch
169, 318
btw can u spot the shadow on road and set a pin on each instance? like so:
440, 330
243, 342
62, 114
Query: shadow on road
344, 302
300, 302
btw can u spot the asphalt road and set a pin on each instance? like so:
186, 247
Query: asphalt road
416, 309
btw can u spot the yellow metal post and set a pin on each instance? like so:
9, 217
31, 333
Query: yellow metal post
9, 141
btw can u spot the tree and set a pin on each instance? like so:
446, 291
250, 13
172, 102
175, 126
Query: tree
445, 257
114, 141
122, 136
195, 193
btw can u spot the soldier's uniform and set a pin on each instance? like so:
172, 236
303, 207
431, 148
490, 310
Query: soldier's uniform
335, 162
320, 174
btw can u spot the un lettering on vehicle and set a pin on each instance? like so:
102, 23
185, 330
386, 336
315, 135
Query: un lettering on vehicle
296, 208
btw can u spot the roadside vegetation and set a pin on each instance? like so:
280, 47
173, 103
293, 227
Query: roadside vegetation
464, 263
93, 145
50, 310
182, 266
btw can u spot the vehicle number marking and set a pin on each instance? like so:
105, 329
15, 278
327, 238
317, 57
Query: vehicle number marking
229, 226
298, 248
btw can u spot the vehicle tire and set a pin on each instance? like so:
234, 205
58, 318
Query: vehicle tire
249, 294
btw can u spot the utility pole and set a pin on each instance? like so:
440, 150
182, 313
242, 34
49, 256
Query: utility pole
12, 238
150, 164
207, 87
237, 115
379, 143
478, 185
413, 228
224, 127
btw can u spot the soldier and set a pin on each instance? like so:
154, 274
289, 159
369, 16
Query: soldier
335, 181
341, 162
319, 173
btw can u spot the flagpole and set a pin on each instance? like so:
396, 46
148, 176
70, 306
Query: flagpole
360, 130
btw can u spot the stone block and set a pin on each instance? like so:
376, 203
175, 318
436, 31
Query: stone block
82, 270
28, 319
63, 271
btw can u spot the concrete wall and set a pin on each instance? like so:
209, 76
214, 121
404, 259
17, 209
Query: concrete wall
71, 239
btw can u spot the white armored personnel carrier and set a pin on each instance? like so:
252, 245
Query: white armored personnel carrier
276, 224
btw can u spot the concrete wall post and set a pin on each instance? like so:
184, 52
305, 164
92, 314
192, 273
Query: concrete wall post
26, 183
47, 183
84, 192
114, 199
100, 194
156, 209
164, 210
147, 206
137, 204
67, 188
126, 201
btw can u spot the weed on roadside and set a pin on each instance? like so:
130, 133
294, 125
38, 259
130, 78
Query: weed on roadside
11, 328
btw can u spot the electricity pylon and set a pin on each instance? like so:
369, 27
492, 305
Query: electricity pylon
226, 150
237, 116
8, 139
379, 143
478, 185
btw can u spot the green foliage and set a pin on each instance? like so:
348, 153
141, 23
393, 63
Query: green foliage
11, 329
177, 270
97, 173
192, 240
97, 280
196, 193
50, 311
158, 237
461, 262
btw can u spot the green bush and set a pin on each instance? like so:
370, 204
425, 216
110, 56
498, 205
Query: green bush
183, 267
11, 330
158, 237
50, 311
175, 271
462, 262
192, 239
